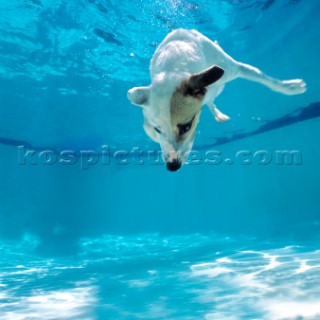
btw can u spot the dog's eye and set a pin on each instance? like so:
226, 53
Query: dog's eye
199, 92
184, 128
157, 129
196, 93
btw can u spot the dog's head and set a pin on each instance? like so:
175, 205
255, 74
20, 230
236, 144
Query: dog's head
172, 110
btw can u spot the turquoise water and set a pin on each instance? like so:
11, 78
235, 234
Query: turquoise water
120, 237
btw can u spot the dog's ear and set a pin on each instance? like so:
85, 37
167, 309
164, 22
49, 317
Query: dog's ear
139, 95
206, 77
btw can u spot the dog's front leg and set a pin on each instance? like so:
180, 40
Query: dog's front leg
218, 115
289, 87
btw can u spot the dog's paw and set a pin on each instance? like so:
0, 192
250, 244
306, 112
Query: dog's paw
220, 117
291, 87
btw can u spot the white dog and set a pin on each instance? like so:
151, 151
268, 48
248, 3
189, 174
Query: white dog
189, 70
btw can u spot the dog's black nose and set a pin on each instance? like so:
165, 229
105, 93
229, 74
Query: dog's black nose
174, 165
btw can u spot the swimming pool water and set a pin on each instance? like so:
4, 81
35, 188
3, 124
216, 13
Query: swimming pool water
115, 239
153, 277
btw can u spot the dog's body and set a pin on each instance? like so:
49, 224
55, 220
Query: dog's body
187, 71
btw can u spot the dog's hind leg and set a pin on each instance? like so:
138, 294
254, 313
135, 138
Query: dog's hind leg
218, 115
289, 87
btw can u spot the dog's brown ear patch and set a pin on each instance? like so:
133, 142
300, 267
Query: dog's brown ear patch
201, 80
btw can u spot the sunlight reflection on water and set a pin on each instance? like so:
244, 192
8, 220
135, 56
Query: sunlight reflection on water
154, 277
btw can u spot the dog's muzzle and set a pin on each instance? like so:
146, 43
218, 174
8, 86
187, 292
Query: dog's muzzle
174, 165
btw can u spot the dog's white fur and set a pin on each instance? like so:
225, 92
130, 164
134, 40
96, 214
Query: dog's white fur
182, 54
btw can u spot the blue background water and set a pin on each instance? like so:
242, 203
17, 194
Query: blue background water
132, 241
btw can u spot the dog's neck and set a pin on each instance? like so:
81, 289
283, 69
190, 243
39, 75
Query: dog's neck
166, 80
